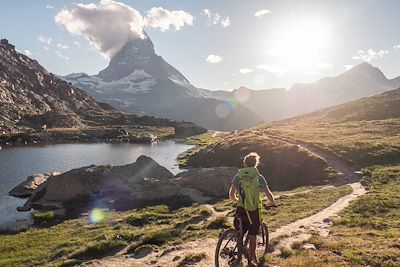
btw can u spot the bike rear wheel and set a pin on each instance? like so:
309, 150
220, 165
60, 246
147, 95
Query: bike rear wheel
227, 252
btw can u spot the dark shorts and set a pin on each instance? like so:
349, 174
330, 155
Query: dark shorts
254, 228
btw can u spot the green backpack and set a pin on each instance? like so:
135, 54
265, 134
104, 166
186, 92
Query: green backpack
249, 190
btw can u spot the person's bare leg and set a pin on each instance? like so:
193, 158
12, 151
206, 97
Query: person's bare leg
252, 247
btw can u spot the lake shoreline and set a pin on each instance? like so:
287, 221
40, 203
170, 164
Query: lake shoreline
19, 162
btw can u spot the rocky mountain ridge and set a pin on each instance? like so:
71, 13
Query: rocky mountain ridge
139, 81
33, 99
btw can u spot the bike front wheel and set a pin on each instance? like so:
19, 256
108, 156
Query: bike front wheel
227, 252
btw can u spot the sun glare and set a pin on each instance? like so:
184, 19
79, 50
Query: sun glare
301, 44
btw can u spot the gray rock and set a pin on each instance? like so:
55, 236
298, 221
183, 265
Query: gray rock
26, 188
213, 182
120, 187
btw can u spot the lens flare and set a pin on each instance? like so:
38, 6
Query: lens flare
222, 110
242, 94
96, 216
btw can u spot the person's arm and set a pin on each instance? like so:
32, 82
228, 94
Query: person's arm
269, 194
232, 193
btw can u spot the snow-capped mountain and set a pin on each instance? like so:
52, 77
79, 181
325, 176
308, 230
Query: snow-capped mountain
137, 80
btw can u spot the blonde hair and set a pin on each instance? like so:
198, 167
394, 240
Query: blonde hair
251, 160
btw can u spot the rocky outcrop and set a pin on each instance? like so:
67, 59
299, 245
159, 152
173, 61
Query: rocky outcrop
142, 183
213, 182
26, 188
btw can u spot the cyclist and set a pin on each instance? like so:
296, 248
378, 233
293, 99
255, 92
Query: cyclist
245, 190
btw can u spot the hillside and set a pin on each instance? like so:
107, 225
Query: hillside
31, 97
139, 81
365, 132
362, 80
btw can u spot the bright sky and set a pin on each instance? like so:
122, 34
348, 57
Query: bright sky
216, 44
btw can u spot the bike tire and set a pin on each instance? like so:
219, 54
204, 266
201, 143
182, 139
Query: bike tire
265, 234
222, 237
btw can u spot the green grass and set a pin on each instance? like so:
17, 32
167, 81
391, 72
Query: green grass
77, 239
367, 234
220, 222
191, 259
42, 217
205, 139
73, 241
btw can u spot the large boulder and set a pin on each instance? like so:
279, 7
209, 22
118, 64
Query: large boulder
119, 187
26, 188
213, 182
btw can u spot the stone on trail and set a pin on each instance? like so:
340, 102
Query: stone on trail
309, 246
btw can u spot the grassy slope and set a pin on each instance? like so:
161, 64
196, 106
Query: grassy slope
367, 234
76, 240
286, 166
366, 131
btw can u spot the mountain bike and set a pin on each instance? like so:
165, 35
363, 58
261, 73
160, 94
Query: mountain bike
232, 245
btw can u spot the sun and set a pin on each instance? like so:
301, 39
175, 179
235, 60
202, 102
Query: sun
301, 43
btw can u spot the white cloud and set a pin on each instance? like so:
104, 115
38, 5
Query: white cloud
62, 46
262, 12
49, 7
275, 69
163, 19
396, 47
245, 70
44, 40
348, 66
110, 24
58, 53
46, 47
107, 25
369, 55
214, 59
226, 22
215, 18
28, 52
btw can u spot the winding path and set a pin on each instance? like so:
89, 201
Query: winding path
297, 231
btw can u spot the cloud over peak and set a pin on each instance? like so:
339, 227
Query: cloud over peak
110, 24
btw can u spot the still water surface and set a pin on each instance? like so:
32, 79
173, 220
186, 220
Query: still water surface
19, 162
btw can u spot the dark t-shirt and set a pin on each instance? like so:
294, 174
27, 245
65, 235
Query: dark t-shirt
263, 182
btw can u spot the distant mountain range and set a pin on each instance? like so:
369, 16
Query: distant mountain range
139, 81
274, 104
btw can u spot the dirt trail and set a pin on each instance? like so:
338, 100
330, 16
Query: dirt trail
300, 230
